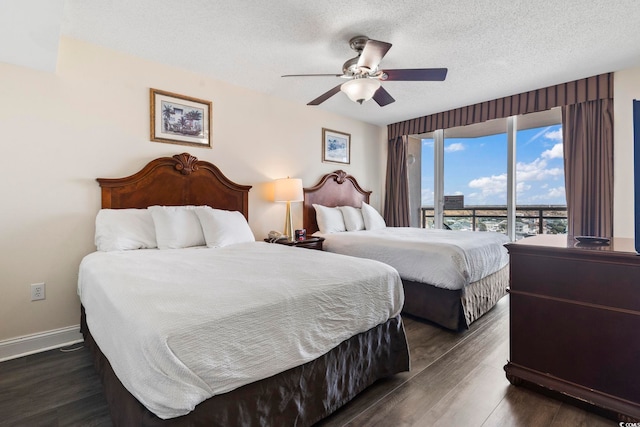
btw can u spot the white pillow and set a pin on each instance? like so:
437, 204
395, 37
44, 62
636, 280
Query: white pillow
372, 219
353, 220
124, 229
223, 228
177, 226
329, 220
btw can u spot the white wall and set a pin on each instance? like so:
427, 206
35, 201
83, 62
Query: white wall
626, 86
58, 132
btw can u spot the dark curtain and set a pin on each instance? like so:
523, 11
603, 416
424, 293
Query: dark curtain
575, 92
588, 167
396, 203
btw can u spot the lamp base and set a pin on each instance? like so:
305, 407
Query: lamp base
288, 223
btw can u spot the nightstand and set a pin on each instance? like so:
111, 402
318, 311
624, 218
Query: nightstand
308, 243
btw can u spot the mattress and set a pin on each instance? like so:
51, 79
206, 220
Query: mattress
179, 326
443, 258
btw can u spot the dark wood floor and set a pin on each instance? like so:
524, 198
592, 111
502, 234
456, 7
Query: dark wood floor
455, 380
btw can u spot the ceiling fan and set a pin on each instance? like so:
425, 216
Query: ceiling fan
364, 76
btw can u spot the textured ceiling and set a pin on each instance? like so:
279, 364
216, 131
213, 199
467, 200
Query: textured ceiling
491, 48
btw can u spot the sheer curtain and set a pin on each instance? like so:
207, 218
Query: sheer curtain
396, 203
588, 167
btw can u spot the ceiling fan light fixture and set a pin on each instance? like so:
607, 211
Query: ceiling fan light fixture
360, 90
364, 75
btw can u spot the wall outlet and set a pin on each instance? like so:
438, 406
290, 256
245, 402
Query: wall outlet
37, 291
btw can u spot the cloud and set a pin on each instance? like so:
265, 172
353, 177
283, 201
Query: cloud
554, 135
556, 192
456, 146
495, 184
490, 185
521, 187
556, 152
536, 171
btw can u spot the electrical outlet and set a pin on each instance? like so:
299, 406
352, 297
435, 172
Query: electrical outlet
37, 291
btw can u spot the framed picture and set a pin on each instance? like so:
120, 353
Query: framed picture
179, 119
336, 146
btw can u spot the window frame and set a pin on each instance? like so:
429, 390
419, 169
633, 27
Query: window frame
512, 124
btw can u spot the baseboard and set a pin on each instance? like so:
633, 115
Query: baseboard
36, 343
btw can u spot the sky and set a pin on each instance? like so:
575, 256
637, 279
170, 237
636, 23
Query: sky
477, 168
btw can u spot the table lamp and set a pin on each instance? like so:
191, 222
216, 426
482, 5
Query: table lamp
288, 190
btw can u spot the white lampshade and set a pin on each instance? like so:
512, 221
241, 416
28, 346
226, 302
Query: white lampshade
288, 190
360, 90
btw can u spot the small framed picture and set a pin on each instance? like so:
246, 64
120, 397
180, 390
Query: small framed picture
179, 119
336, 146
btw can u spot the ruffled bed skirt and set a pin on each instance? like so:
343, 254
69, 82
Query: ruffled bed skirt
300, 396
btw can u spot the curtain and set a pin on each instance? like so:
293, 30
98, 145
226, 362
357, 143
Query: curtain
574, 92
396, 203
588, 167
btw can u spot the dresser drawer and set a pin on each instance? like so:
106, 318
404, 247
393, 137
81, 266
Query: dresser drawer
601, 282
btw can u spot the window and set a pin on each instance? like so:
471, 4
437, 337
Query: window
475, 166
540, 193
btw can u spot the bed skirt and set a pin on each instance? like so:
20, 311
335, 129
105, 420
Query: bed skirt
300, 396
455, 309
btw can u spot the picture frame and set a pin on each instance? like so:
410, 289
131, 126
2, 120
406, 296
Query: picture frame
180, 119
336, 146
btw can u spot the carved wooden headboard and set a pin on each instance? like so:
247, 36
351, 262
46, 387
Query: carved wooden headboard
175, 181
334, 189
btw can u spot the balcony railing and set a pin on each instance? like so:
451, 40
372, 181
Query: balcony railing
530, 220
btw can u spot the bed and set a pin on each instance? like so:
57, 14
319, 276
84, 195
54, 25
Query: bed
452, 300
169, 327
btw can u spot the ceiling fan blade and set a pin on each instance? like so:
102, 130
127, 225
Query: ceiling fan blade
382, 97
373, 53
312, 75
416, 74
319, 100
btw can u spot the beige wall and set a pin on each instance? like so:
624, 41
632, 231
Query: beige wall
91, 119
626, 86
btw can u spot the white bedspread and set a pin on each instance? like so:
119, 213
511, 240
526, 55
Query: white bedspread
180, 326
443, 258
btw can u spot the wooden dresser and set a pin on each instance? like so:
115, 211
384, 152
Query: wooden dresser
575, 320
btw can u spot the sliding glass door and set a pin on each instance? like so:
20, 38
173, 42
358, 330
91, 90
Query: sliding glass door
479, 189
